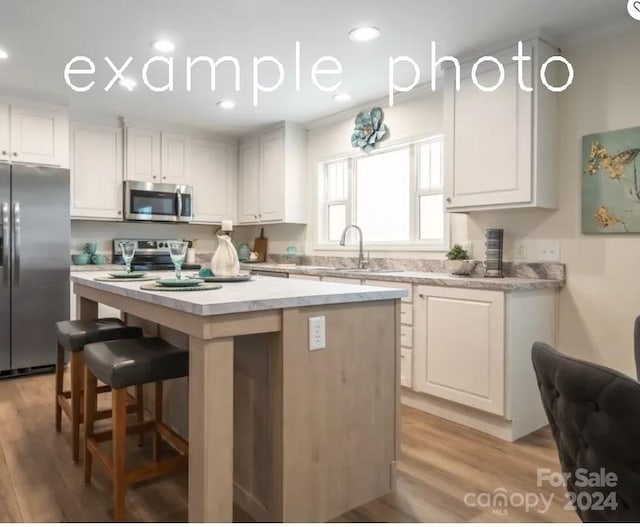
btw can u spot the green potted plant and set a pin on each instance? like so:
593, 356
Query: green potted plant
458, 261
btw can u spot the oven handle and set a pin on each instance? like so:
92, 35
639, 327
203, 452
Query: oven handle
179, 200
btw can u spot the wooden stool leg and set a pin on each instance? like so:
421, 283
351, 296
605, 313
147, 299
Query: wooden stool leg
59, 385
119, 419
140, 411
157, 417
77, 379
90, 407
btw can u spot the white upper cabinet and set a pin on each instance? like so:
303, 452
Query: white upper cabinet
5, 134
175, 158
272, 176
249, 183
499, 146
213, 173
35, 135
142, 155
96, 172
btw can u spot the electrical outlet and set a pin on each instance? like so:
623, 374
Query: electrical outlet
317, 334
520, 251
550, 251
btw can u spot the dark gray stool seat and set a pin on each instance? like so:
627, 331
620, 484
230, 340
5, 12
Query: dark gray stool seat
124, 363
74, 335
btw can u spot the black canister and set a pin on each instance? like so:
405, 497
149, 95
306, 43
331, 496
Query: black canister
493, 253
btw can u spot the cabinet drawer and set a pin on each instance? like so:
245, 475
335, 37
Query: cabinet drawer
406, 314
396, 285
406, 336
405, 367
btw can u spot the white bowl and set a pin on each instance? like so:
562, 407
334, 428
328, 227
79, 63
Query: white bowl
460, 267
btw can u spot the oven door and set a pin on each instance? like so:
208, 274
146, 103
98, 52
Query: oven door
158, 202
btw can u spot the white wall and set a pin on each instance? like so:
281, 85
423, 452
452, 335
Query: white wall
103, 233
602, 297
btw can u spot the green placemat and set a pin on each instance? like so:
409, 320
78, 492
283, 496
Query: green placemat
147, 278
158, 287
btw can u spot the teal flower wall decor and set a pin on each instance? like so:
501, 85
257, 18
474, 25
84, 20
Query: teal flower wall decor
369, 130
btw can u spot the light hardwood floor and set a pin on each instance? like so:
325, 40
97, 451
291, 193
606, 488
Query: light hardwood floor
440, 463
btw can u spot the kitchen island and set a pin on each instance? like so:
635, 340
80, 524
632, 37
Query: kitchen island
287, 433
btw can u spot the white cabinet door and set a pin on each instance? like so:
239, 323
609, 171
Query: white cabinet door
212, 169
249, 183
272, 177
307, 277
459, 350
96, 173
335, 280
39, 136
142, 155
489, 137
406, 367
5, 134
175, 158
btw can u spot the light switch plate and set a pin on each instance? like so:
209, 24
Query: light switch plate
317, 334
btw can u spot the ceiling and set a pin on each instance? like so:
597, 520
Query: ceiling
41, 36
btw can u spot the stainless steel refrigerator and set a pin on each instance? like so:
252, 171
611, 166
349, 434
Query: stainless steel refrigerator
34, 249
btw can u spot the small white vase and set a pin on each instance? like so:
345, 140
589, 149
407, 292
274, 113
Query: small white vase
225, 260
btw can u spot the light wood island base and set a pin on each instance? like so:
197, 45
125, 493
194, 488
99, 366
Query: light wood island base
288, 434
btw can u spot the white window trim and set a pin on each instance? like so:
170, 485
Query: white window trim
321, 218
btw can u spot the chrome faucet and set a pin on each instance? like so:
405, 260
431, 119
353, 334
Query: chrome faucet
362, 262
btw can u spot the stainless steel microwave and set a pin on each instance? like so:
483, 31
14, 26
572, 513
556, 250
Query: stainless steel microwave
144, 201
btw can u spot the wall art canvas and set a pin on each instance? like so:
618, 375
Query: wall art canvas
610, 182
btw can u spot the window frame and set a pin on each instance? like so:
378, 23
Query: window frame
321, 242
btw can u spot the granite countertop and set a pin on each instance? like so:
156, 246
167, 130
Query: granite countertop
416, 277
92, 267
261, 293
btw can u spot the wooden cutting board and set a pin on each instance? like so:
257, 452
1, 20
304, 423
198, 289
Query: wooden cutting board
260, 247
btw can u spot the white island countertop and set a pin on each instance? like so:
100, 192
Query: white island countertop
259, 294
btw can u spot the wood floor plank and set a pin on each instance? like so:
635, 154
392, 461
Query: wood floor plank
440, 463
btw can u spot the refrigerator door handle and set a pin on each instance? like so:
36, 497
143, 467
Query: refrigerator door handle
6, 245
16, 243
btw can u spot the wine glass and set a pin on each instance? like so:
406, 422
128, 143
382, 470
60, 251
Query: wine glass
128, 252
178, 251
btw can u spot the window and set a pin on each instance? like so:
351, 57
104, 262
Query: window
395, 195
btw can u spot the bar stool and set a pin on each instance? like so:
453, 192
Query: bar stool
121, 364
73, 336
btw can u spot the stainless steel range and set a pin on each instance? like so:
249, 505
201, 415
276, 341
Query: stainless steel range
151, 255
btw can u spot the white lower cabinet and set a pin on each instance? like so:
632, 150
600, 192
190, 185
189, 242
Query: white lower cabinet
336, 280
472, 356
406, 329
459, 346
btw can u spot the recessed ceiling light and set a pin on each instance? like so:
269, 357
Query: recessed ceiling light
128, 83
226, 104
163, 46
364, 34
342, 97
3, 54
